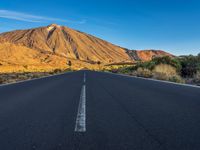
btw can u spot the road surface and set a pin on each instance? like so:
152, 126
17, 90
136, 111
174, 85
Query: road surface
88, 110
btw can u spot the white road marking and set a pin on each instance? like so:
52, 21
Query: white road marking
156, 80
84, 78
81, 115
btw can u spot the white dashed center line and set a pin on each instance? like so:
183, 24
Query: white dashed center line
84, 79
81, 115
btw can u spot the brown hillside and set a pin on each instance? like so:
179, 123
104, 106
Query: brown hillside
17, 58
147, 55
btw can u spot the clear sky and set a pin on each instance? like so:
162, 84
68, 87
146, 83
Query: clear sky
171, 25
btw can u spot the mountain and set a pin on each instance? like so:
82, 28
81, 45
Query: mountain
69, 43
54, 45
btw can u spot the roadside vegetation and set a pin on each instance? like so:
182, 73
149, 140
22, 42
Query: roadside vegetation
184, 69
15, 77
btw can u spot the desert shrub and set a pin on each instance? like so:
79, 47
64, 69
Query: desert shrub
1, 80
133, 73
68, 69
166, 77
51, 73
196, 78
36, 76
160, 76
125, 70
167, 72
188, 71
174, 62
105, 70
177, 79
165, 69
147, 65
157, 61
190, 65
114, 70
143, 72
22, 76
57, 71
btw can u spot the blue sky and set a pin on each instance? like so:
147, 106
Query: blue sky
171, 25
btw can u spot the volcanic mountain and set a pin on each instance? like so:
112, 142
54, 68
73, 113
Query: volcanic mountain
54, 45
69, 43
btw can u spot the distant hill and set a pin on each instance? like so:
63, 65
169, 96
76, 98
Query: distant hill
147, 55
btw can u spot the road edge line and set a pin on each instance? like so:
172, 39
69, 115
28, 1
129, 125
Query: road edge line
150, 79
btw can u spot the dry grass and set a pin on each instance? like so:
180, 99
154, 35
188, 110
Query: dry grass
160, 76
160, 72
76, 65
15, 77
142, 72
165, 69
163, 72
177, 78
166, 72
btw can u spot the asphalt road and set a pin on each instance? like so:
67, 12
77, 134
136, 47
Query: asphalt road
98, 111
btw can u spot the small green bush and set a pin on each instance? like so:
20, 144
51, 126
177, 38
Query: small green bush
147, 65
125, 70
